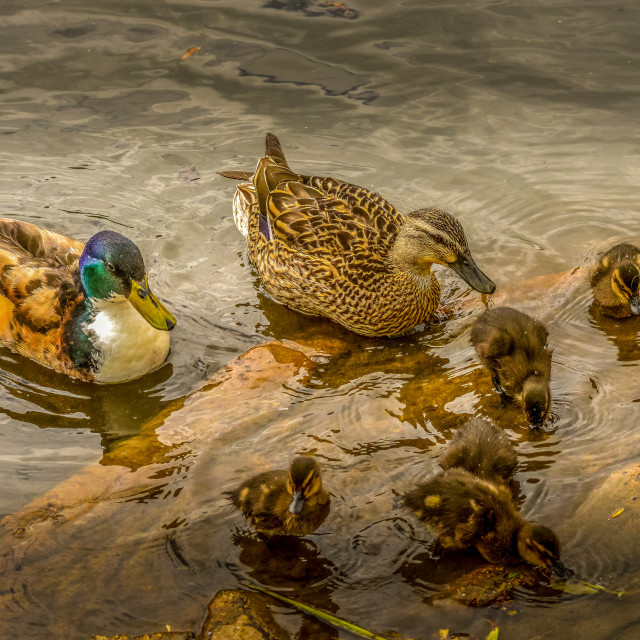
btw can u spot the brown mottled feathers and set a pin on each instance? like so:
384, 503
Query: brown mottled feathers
40, 288
264, 500
322, 246
466, 511
482, 449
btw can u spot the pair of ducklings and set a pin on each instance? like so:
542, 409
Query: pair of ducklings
469, 504
513, 345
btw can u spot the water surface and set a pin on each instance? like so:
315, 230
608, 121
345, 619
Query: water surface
520, 120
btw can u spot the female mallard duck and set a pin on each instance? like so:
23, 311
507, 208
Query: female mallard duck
83, 310
329, 248
482, 449
616, 281
282, 502
467, 511
513, 346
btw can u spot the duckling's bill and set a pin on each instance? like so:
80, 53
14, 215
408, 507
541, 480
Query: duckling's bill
297, 502
634, 303
469, 271
149, 307
560, 570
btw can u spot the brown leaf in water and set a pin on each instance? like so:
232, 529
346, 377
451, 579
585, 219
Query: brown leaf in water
190, 52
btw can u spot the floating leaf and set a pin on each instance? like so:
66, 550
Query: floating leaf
493, 634
576, 588
322, 615
580, 588
444, 634
191, 52
617, 513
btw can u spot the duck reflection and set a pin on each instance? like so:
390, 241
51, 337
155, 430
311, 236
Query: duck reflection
296, 566
36, 395
622, 332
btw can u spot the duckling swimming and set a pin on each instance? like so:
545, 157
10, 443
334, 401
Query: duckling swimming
513, 346
482, 449
282, 502
325, 247
616, 281
467, 511
82, 309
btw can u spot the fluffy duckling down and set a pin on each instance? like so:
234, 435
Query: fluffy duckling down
466, 511
513, 347
482, 449
282, 502
616, 281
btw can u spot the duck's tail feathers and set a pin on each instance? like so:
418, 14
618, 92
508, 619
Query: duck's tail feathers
236, 175
243, 198
274, 150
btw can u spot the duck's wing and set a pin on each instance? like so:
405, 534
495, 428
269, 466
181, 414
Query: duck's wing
24, 242
38, 276
321, 216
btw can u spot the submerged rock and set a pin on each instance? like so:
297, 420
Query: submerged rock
233, 614
163, 635
240, 615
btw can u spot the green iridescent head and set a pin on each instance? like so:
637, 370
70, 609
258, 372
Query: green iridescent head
111, 268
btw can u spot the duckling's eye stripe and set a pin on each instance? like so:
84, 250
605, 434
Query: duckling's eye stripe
310, 475
621, 285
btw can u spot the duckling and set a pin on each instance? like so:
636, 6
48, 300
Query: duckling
482, 449
616, 281
467, 511
513, 346
85, 310
282, 502
324, 247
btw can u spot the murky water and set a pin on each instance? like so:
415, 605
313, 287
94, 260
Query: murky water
520, 120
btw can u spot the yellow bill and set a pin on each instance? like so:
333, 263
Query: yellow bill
149, 307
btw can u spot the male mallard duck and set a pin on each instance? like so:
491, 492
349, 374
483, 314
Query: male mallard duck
284, 502
482, 449
329, 248
467, 511
513, 346
616, 281
83, 310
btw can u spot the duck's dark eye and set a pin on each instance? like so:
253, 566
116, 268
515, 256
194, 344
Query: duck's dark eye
438, 238
110, 266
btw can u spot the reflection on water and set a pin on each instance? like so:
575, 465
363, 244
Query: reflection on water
517, 119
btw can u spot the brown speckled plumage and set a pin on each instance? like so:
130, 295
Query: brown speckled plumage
325, 247
40, 287
266, 499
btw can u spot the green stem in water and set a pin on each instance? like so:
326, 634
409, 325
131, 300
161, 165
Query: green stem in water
321, 615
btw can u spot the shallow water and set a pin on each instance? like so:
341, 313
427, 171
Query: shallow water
522, 121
